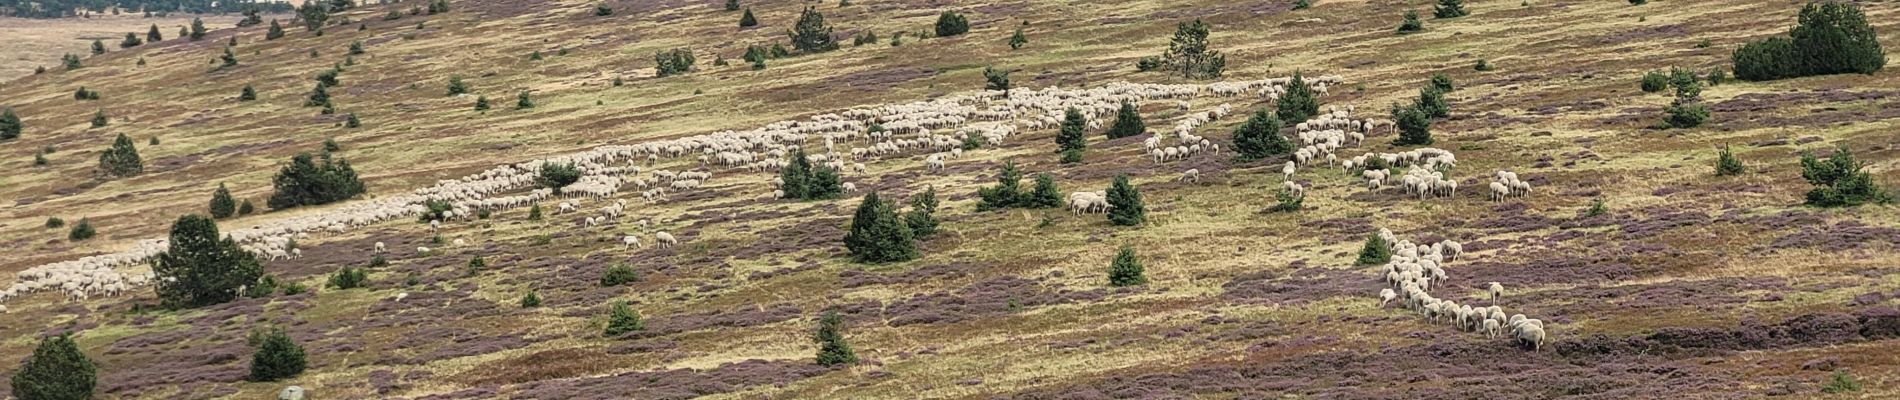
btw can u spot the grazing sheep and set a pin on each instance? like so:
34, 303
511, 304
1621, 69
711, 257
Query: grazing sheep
1386, 295
1191, 176
422, 250
380, 248
1497, 290
1288, 170
400, 296
850, 187
1531, 337
631, 241
666, 240
1491, 327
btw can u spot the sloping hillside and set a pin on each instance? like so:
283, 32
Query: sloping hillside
1683, 283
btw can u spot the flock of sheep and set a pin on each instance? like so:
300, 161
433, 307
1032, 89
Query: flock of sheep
993, 115
1415, 269
849, 139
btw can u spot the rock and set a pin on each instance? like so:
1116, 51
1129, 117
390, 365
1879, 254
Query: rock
291, 393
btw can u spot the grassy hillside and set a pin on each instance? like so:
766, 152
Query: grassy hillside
1687, 285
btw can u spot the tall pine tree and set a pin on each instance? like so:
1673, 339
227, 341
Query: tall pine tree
1127, 122
57, 370
1124, 203
222, 205
877, 235
832, 347
201, 267
1070, 136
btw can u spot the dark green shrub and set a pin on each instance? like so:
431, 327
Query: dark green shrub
1298, 103
222, 205
622, 319
201, 267
1124, 201
1375, 252
996, 79
557, 176
1189, 54
1449, 9
313, 181
1070, 156
747, 20
278, 357
1411, 24
55, 223
949, 23
1018, 40
530, 300
619, 274
1070, 135
1726, 164
1431, 101
57, 370
121, 160
877, 235
832, 347
1442, 82
1655, 81
456, 86
349, 278
1126, 269
1415, 126
1841, 382
1005, 193
922, 217
1260, 137
1127, 122
1840, 181
811, 35
1832, 37
674, 62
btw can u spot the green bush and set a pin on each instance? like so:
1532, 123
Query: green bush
1431, 101
1841, 382
1832, 37
1005, 193
1449, 9
1070, 136
1126, 269
951, 24
557, 176
622, 319
1840, 181
1414, 125
222, 205
673, 62
475, 264
1411, 24
278, 357
1726, 164
1017, 40
1286, 200
82, 231
1655, 81
57, 370
810, 35
1189, 54
245, 208
996, 79
349, 278
922, 217
530, 300
1127, 122
55, 223
201, 267
1442, 82
747, 20
10, 126
1260, 137
619, 274
1124, 201
1298, 103
877, 235
832, 347
1375, 252
313, 181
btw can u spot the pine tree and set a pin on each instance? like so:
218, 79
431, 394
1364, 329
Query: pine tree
1070, 136
350, 121
356, 47
1414, 124
1017, 40
949, 23
121, 160
996, 80
531, 300
245, 208
1126, 269
131, 40
811, 35
314, 14
481, 103
1260, 137
1124, 203
222, 205
72, 62
153, 35
276, 31
618, 274
82, 230
877, 235
230, 59
1431, 101
247, 94
832, 347
320, 97
1005, 194
1840, 181
794, 174
1375, 252
98, 47
1043, 195
278, 357
1442, 82
99, 119
922, 217
10, 126
1449, 9
456, 86
1726, 164
732, 5
201, 267
57, 370
1189, 53
197, 29
747, 20
522, 102
1298, 103
1832, 37
622, 319
1411, 23
1127, 122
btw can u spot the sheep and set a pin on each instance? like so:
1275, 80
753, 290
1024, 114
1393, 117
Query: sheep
666, 240
400, 296
1491, 327
422, 250
630, 241
1531, 337
1497, 290
458, 243
1192, 175
380, 248
850, 188
1386, 295
1288, 170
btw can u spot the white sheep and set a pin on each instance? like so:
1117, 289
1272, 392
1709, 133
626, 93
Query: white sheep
1193, 175
630, 241
380, 248
1386, 295
458, 243
1530, 336
1497, 290
666, 240
422, 250
850, 187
